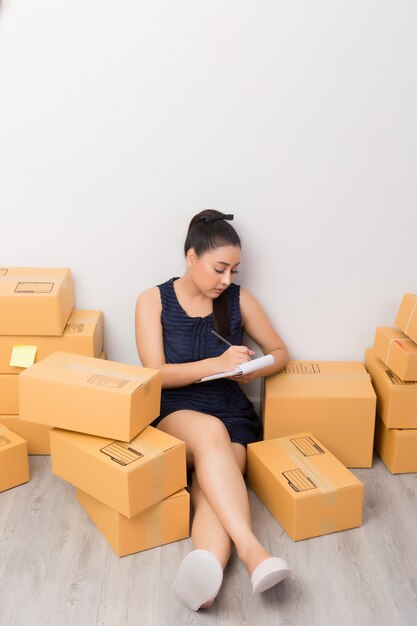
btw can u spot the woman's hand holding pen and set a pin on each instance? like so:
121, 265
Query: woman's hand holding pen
234, 356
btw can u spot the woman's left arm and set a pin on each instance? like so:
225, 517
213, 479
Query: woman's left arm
258, 327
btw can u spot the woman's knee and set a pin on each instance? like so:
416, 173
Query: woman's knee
214, 433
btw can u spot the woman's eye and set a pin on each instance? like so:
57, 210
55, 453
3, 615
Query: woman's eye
222, 271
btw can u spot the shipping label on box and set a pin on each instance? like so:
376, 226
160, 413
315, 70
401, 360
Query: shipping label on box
89, 395
407, 316
333, 400
128, 477
396, 447
9, 394
35, 301
397, 351
304, 486
396, 399
14, 464
83, 334
35, 435
164, 522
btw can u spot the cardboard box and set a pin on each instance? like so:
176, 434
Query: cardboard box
9, 394
304, 486
333, 400
162, 523
89, 395
83, 334
35, 435
396, 399
396, 447
397, 351
14, 464
35, 301
407, 316
128, 477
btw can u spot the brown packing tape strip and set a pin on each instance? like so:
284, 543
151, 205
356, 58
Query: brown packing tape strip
32, 278
329, 492
159, 467
154, 525
93, 321
411, 317
59, 281
159, 472
95, 371
319, 377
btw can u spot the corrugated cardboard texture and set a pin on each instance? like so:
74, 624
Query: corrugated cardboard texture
35, 301
397, 351
397, 448
396, 399
304, 486
90, 395
83, 334
14, 464
9, 394
127, 477
35, 435
167, 521
333, 400
407, 316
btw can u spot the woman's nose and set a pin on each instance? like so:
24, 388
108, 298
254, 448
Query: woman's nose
226, 279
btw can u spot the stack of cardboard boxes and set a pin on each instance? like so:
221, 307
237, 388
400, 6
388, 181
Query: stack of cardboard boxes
129, 476
58, 394
34, 305
319, 419
392, 363
36, 319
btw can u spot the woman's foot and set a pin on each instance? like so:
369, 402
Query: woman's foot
198, 579
269, 573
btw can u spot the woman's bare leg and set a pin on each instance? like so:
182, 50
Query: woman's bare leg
219, 477
207, 530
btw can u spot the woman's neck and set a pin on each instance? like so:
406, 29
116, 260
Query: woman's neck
192, 300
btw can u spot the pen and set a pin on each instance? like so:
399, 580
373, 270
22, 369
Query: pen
221, 338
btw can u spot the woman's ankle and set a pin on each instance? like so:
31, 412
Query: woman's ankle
252, 555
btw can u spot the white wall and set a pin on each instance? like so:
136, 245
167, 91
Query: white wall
120, 120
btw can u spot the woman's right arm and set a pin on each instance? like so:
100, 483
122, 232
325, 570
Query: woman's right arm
150, 345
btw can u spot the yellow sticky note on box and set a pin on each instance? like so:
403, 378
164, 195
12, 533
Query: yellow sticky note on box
23, 356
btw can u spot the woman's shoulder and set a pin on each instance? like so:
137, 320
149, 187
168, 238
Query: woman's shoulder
149, 298
247, 300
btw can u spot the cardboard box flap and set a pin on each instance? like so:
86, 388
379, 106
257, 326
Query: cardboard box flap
76, 369
303, 465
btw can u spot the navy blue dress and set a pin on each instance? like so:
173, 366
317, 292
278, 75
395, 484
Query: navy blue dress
188, 339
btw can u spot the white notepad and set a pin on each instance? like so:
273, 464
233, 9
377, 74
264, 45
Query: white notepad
243, 368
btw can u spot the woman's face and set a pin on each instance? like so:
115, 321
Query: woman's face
213, 271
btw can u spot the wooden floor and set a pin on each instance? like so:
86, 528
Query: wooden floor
56, 568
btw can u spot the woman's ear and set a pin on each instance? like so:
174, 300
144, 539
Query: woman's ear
191, 257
